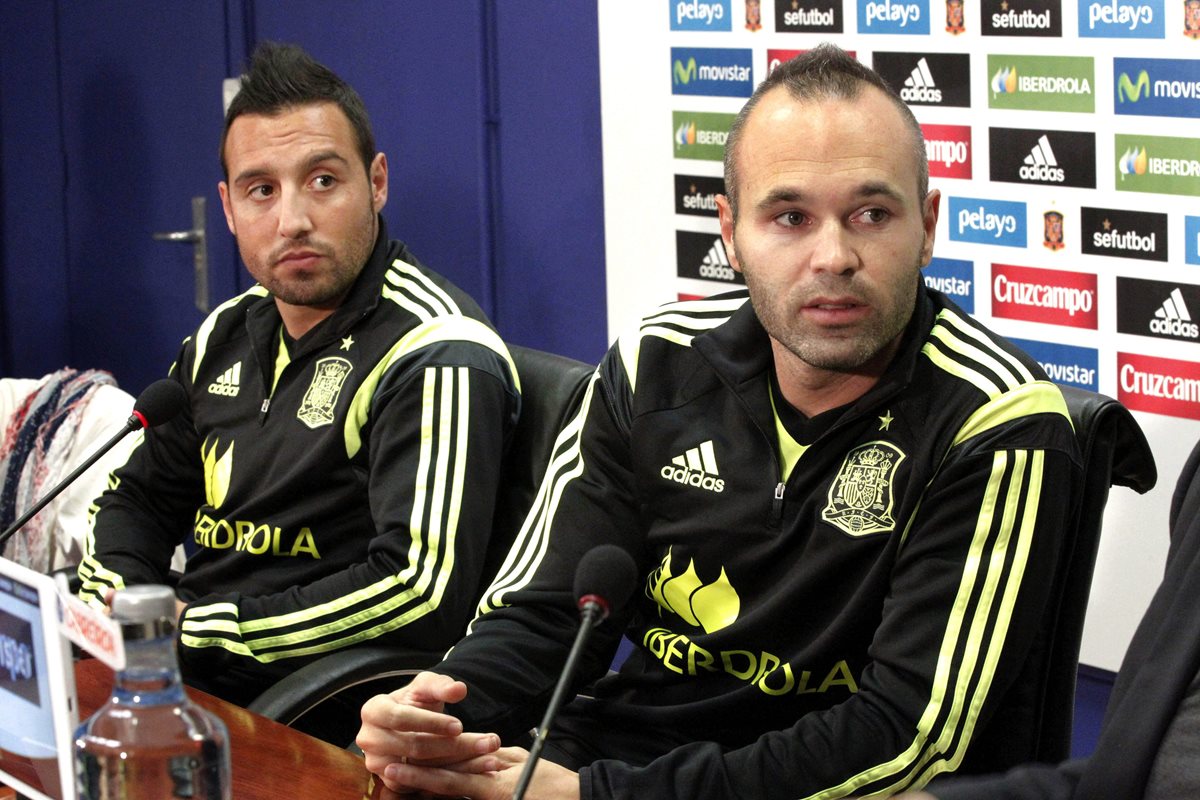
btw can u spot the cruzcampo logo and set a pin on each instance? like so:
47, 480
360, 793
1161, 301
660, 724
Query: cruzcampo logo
1042, 83
711, 606
1161, 164
218, 469
700, 134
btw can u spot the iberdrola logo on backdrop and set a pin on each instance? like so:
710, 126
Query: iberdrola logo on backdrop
711, 606
217, 472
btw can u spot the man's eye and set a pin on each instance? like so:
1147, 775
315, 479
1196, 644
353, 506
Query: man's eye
260, 191
791, 218
324, 181
875, 215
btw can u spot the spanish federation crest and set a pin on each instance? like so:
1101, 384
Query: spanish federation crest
860, 499
317, 407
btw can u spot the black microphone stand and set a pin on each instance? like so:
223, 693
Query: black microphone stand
592, 613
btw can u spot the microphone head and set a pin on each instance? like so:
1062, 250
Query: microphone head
606, 576
159, 402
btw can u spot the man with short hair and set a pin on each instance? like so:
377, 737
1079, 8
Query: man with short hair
336, 466
845, 498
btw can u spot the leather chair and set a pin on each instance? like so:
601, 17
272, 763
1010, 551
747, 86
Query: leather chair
1041, 700
552, 388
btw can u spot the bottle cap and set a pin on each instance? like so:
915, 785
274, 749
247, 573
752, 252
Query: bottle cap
145, 612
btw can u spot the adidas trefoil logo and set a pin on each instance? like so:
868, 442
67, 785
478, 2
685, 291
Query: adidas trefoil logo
228, 383
919, 86
696, 467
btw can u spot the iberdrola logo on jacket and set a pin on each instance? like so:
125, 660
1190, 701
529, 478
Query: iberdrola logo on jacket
218, 470
710, 606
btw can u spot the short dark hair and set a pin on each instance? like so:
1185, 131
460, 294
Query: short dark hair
282, 77
826, 71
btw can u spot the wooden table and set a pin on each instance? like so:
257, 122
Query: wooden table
268, 760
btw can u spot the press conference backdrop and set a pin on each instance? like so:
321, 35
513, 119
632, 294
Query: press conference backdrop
1062, 134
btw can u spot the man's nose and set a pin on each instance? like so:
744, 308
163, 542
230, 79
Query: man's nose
832, 250
294, 220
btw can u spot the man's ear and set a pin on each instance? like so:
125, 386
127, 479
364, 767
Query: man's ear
223, 189
725, 213
379, 181
929, 213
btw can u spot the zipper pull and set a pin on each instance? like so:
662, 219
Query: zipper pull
777, 504
262, 412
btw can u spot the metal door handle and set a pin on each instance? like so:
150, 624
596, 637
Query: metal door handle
197, 237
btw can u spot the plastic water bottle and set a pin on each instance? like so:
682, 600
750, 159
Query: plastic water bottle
150, 740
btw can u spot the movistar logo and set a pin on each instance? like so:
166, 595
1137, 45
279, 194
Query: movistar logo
218, 471
684, 75
711, 606
1131, 91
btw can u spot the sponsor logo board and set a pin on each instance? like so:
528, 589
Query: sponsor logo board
953, 277
982, 221
1161, 309
715, 71
777, 57
1041, 83
1157, 87
893, 16
1050, 296
1121, 19
1161, 164
697, 194
1191, 240
702, 256
808, 16
1123, 233
927, 79
948, 148
701, 15
1165, 386
1065, 363
1049, 158
1020, 18
700, 134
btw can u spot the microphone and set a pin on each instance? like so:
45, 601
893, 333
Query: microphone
604, 580
159, 402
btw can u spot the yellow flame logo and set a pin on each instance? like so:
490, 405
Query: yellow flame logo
217, 473
711, 606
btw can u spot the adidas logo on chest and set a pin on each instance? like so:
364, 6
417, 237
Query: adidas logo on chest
695, 467
228, 383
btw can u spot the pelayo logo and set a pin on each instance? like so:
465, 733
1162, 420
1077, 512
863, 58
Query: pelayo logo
1157, 87
1162, 164
893, 16
701, 15
1191, 240
1000, 222
1042, 83
1121, 19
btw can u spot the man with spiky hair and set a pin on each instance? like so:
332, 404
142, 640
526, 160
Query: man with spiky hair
335, 469
845, 499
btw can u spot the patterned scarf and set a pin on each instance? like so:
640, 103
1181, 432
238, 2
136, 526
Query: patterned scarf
34, 445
